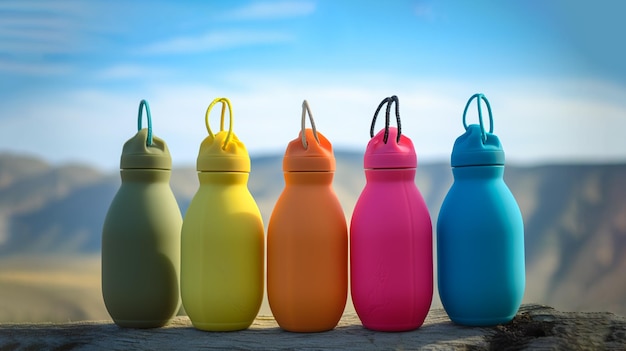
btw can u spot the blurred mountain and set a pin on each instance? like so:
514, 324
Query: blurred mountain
574, 215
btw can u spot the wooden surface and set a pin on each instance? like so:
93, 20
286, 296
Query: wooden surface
534, 327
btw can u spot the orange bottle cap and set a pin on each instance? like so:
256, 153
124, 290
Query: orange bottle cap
311, 151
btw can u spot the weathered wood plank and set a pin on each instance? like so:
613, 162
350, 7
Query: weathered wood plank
534, 327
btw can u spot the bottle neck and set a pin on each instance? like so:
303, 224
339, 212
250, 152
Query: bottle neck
479, 172
308, 178
146, 175
390, 175
223, 178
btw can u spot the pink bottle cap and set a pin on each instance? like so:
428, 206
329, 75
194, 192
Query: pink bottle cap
389, 149
391, 154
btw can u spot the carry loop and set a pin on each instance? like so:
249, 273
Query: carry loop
388, 101
480, 114
141, 105
224, 102
305, 109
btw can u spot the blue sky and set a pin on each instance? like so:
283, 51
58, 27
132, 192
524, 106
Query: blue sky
72, 74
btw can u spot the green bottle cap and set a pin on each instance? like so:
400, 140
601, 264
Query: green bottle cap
145, 151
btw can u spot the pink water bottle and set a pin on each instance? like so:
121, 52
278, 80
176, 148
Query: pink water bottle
391, 261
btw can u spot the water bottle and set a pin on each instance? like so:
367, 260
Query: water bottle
480, 233
141, 236
307, 239
391, 235
223, 243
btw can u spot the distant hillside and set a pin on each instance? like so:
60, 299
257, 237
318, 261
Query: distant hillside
574, 215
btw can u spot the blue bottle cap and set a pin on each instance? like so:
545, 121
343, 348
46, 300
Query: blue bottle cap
476, 147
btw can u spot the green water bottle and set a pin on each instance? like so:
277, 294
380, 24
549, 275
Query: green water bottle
141, 236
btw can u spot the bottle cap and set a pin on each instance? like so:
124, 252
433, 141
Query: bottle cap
311, 151
384, 152
223, 151
145, 151
477, 147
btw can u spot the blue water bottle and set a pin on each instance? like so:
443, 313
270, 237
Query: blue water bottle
480, 233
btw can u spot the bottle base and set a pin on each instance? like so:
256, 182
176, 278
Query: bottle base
314, 329
141, 324
392, 327
219, 327
481, 322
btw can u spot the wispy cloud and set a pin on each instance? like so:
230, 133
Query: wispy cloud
539, 120
39, 27
33, 68
218, 40
429, 11
31, 31
424, 11
227, 39
65, 6
271, 10
130, 71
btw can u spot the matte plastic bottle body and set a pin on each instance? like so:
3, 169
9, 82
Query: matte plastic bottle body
480, 248
222, 254
307, 254
391, 252
141, 251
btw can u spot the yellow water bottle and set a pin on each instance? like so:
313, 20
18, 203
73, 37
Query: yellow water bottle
222, 240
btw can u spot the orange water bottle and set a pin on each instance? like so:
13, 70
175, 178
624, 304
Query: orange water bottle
307, 239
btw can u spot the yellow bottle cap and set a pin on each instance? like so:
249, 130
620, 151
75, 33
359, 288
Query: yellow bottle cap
223, 151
